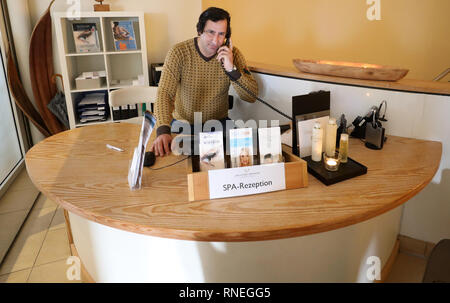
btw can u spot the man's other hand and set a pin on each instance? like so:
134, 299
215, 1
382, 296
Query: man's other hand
161, 145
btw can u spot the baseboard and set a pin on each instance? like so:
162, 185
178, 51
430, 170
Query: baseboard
390, 263
85, 276
415, 247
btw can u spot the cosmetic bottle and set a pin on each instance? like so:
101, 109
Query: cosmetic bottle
342, 129
330, 142
316, 142
343, 148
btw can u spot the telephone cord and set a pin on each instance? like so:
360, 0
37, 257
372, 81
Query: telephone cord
259, 99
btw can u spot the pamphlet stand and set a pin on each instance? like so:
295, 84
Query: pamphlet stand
295, 176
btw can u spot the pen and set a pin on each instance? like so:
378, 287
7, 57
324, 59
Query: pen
114, 148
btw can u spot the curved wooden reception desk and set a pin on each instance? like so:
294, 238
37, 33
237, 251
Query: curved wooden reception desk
156, 235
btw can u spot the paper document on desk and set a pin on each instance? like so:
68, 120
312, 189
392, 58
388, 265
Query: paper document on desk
137, 163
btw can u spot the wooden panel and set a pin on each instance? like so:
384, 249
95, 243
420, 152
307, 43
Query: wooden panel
77, 171
293, 174
198, 184
68, 227
403, 84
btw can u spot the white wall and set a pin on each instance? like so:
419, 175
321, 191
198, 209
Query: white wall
166, 22
21, 30
427, 215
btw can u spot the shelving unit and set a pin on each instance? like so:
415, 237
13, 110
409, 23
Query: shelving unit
119, 65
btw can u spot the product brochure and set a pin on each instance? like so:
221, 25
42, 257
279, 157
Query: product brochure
211, 151
86, 37
137, 163
269, 145
124, 37
241, 147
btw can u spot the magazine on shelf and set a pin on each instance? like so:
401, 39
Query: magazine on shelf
92, 113
91, 108
269, 145
137, 162
123, 34
211, 151
241, 147
92, 119
86, 37
92, 99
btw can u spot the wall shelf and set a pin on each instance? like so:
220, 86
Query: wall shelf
83, 54
126, 67
123, 52
103, 88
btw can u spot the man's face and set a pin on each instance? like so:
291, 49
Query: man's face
212, 37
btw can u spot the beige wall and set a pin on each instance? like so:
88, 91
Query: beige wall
413, 34
167, 22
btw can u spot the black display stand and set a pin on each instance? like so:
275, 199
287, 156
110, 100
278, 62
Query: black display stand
346, 171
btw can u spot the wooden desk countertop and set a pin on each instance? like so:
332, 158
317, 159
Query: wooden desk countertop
76, 170
409, 85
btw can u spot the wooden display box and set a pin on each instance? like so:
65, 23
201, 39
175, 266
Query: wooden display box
295, 174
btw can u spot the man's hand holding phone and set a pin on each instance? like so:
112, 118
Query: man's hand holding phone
225, 55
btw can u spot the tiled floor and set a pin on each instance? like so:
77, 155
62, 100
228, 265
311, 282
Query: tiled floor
15, 206
40, 251
407, 269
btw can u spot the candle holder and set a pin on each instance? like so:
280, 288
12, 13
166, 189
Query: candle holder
331, 163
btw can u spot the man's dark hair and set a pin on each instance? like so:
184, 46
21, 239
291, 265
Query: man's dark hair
214, 14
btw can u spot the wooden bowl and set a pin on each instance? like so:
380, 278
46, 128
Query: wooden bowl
350, 69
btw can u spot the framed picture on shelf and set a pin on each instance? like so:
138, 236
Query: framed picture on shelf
86, 37
124, 36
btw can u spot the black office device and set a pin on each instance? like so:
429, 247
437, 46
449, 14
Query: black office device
155, 72
149, 159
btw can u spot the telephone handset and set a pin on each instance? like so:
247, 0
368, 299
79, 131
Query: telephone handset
226, 42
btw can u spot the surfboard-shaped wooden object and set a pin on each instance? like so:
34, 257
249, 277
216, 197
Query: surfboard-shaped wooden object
41, 70
21, 98
350, 69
